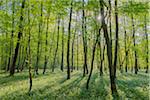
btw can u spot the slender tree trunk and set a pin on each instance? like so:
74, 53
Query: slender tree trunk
62, 53
135, 52
117, 39
147, 50
29, 49
52, 43
93, 55
55, 54
85, 69
6, 46
12, 69
100, 56
110, 31
12, 36
77, 51
46, 44
72, 50
109, 51
39, 41
126, 51
68, 42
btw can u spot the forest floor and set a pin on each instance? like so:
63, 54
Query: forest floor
54, 86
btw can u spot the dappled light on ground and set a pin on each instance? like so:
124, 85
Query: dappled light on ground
55, 86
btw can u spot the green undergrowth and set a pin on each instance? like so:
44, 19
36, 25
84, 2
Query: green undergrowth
54, 86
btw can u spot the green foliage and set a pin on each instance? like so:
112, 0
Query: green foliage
135, 7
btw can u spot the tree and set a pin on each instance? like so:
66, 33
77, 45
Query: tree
29, 49
12, 69
68, 41
126, 51
85, 68
46, 42
116, 39
72, 48
12, 36
93, 56
39, 40
55, 54
62, 53
147, 50
109, 51
135, 52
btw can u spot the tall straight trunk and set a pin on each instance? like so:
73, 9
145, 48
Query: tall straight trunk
110, 31
12, 36
12, 68
37, 58
52, 43
29, 49
85, 69
109, 51
72, 50
55, 54
62, 53
24, 54
39, 41
93, 56
68, 42
46, 44
135, 52
6, 46
117, 39
147, 50
77, 51
126, 51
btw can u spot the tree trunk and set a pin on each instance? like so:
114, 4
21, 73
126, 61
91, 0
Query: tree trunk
39, 41
135, 52
110, 31
109, 51
29, 49
62, 53
126, 51
12, 36
85, 69
55, 55
147, 50
117, 39
77, 51
93, 55
68, 42
46, 44
12, 69
72, 50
